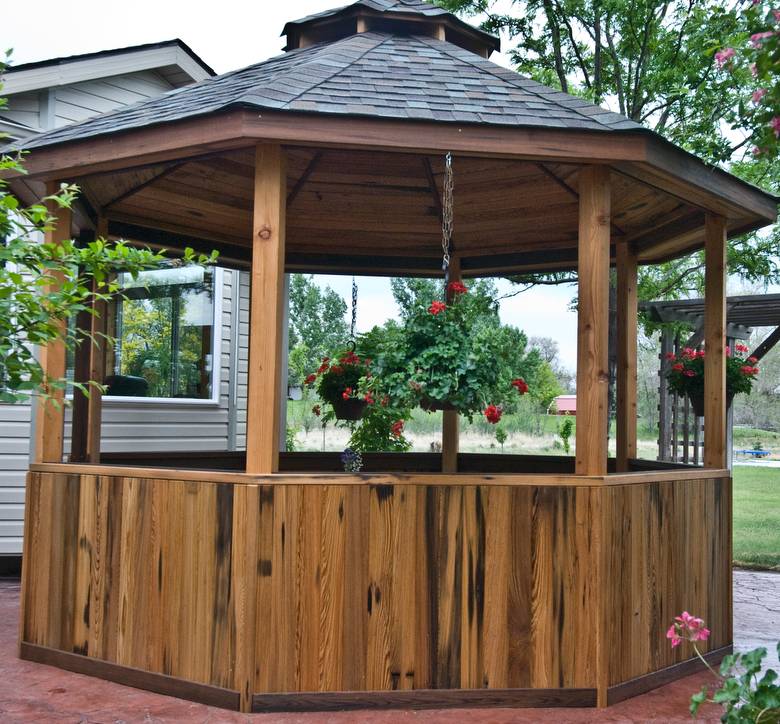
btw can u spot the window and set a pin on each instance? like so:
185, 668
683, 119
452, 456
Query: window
165, 331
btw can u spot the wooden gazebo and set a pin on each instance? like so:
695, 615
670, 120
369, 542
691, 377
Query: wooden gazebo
271, 581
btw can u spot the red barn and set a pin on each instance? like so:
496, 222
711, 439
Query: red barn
563, 405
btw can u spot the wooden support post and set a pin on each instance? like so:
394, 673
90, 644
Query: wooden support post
80, 410
626, 262
97, 362
593, 321
450, 420
266, 311
50, 412
715, 453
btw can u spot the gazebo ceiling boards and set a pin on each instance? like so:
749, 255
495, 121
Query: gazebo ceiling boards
350, 206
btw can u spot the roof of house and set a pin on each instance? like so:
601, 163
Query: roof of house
373, 74
64, 60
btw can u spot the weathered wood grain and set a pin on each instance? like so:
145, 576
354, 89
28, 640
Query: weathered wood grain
278, 589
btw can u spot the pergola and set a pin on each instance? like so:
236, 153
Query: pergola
270, 580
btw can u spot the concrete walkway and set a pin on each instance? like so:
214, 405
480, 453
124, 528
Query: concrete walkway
35, 693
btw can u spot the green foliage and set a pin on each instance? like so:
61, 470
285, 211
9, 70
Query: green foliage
564, 432
316, 326
747, 696
376, 433
460, 354
290, 439
546, 386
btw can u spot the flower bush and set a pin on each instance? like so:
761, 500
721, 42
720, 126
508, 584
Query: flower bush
455, 354
757, 51
686, 372
743, 695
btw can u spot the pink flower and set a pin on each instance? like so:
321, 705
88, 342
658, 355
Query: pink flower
758, 38
741, 347
672, 634
776, 13
679, 367
753, 70
689, 373
775, 124
670, 355
723, 56
759, 94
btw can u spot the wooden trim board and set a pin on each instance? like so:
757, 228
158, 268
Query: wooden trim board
128, 676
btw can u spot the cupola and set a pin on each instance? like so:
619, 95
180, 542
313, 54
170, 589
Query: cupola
395, 17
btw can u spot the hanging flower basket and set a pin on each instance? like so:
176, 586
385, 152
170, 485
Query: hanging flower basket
430, 405
351, 409
697, 402
686, 375
337, 382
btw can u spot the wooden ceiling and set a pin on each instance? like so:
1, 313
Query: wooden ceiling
380, 212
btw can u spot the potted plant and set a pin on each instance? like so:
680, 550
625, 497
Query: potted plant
450, 355
338, 381
686, 374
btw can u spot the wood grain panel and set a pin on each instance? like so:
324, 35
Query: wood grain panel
276, 589
668, 550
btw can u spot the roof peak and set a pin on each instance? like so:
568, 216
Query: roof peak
399, 17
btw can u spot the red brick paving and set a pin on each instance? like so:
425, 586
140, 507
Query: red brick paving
36, 693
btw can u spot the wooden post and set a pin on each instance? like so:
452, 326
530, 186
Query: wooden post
97, 362
593, 321
715, 453
50, 412
450, 420
266, 311
626, 263
80, 410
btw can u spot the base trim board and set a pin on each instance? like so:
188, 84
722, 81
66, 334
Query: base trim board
129, 676
647, 682
423, 699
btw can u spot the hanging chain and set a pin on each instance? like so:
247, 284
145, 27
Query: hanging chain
354, 311
447, 217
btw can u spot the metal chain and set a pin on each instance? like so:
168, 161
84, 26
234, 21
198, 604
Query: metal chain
354, 310
447, 216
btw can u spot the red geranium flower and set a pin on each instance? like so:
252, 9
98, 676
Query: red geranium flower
520, 385
752, 360
347, 393
397, 428
457, 288
679, 367
437, 307
670, 355
317, 410
689, 373
385, 400
740, 347
310, 380
323, 367
493, 414
337, 369
367, 397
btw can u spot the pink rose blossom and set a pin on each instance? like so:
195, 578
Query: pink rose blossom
758, 95
723, 56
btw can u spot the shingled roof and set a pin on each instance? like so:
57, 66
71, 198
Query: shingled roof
367, 74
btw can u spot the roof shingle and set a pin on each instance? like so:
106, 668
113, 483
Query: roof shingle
367, 74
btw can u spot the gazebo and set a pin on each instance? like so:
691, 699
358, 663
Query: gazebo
273, 581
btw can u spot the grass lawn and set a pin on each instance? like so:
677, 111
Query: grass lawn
757, 517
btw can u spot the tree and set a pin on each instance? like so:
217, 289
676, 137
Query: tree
654, 62
317, 324
43, 286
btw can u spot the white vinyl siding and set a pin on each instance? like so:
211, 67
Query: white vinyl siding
14, 461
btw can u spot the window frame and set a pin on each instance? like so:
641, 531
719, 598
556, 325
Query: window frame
216, 362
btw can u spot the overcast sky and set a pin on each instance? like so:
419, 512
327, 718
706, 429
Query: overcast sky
229, 35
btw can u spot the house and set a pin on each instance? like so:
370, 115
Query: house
563, 405
54, 93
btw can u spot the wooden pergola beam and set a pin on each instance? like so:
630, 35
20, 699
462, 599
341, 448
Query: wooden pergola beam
593, 321
715, 452
266, 311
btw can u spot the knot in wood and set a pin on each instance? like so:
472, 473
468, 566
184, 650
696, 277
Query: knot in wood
265, 232
603, 219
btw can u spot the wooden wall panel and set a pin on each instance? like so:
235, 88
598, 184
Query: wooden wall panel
667, 550
337, 588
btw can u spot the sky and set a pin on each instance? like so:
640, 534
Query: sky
229, 35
